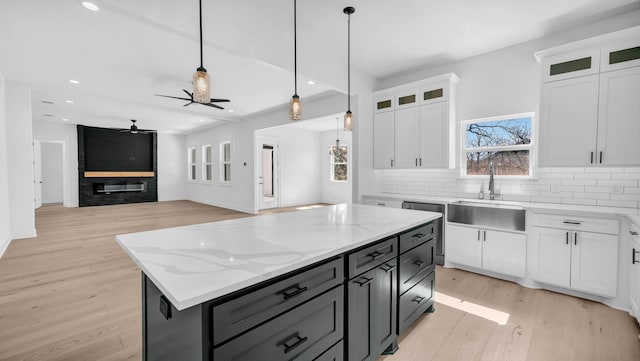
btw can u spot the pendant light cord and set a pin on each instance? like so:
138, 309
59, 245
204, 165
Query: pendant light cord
201, 62
295, 47
349, 62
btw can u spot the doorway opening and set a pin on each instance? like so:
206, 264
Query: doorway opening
268, 172
50, 180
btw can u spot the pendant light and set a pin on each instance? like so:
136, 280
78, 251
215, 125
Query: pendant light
348, 116
295, 107
201, 82
336, 150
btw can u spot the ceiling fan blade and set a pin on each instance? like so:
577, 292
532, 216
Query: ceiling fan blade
189, 94
189, 103
212, 105
169, 96
213, 100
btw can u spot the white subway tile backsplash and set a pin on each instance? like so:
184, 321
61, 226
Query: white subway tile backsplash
576, 185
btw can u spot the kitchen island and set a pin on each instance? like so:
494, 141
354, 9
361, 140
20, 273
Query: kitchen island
284, 286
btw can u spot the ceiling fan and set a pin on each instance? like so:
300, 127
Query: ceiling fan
191, 100
133, 129
201, 85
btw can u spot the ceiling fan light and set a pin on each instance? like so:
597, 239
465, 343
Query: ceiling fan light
201, 86
348, 121
295, 108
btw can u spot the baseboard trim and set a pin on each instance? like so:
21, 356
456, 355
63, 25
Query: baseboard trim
24, 234
4, 244
222, 205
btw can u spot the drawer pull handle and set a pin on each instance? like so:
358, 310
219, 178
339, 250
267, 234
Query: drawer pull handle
387, 267
633, 233
633, 257
418, 299
293, 291
375, 254
418, 263
577, 223
417, 235
362, 283
297, 341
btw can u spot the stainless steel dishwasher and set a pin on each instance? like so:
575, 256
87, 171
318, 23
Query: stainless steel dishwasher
432, 207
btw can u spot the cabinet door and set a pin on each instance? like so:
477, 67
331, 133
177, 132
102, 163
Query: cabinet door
386, 312
464, 245
434, 135
568, 122
406, 138
362, 314
383, 140
551, 256
594, 263
618, 124
504, 252
634, 290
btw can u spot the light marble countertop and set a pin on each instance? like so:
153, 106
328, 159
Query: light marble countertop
198, 263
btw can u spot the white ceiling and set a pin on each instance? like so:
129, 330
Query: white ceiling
131, 50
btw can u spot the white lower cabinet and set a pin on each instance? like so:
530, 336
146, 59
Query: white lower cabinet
496, 251
578, 254
633, 236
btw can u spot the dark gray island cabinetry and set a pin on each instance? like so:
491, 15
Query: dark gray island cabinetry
321, 285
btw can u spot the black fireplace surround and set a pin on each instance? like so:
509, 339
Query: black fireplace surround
116, 167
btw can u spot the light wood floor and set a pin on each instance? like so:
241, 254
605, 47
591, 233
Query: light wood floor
72, 294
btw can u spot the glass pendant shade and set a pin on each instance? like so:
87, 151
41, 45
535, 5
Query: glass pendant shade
348, 121
295, 108
201, 86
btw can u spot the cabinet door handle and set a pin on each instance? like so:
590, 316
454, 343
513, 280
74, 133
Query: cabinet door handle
387, 267
418, 263
591, 161
484, 235
576, 223
418, 299
633, 256
362, 283
293, 291
567, 239
633, 233
575, 239
375, 254
391, 163
421, 162
600, 157
478, 235
297, 341
416, 162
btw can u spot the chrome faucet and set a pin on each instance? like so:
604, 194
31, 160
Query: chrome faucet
492, 186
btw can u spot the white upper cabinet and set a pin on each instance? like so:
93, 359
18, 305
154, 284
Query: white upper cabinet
423, 125
589, 103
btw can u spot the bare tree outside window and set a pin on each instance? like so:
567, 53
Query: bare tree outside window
505, 141
339, 164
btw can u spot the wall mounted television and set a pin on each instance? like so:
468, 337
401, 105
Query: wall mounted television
111, 150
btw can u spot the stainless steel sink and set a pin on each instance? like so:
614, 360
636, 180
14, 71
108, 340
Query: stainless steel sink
487, 214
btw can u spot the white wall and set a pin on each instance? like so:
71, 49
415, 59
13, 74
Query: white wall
52, 173
20, 160
5, 222
171, 167
335, 192
68, 136
299, 158
504, 82
240, 194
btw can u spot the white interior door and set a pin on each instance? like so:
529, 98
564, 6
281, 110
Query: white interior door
37, 171
268, 190
51, 184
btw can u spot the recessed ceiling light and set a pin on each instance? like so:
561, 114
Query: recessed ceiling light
65, 119
90, 6
311, 82
230, 110
46, 102
72, 81
69, 101
201, 120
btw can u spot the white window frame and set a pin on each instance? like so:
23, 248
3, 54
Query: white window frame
223, 163
207, 148
192, 170
531, 147
332, 163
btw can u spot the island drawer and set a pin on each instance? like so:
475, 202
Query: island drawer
415, 302
303, 333
372, 256
416, 236
415, 264
335, 353
245, 312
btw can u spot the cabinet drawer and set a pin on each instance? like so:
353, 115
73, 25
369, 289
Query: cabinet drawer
415, 302
416, 236
335, 353
303, 333
372, 256
415, 264
240, 314
578, 223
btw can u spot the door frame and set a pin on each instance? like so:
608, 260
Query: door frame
258, 199
37, 167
